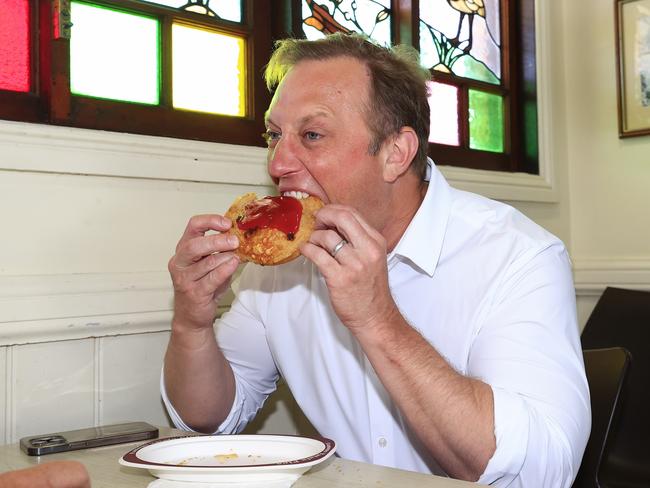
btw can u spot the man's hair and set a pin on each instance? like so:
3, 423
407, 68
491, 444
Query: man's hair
398, 91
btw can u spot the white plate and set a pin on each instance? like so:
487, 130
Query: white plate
251, 460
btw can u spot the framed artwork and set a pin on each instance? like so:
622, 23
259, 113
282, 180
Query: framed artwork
633, 63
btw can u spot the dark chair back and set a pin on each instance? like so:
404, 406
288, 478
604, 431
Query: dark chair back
606, 370
622, 318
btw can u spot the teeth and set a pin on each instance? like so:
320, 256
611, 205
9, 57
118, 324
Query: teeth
300, 195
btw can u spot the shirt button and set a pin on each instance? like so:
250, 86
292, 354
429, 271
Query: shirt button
382, 442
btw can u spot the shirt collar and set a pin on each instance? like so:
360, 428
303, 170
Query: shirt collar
421, 243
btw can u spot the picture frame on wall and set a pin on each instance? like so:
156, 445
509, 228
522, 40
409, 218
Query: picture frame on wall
633, 65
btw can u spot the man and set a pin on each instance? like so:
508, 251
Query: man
424, 328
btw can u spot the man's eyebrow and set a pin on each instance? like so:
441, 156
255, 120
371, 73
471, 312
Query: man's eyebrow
308, 118
302, 121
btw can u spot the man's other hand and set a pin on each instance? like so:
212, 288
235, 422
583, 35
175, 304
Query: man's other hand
54, 474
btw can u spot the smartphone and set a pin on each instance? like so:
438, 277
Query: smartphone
104, 435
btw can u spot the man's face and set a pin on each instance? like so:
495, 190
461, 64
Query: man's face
318, 137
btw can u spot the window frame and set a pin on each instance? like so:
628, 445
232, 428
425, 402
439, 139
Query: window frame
50, 99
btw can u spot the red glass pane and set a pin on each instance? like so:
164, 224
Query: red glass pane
14, 45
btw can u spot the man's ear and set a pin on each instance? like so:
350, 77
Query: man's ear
400, 151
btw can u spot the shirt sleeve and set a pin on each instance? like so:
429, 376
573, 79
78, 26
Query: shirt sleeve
528, 351
241, 336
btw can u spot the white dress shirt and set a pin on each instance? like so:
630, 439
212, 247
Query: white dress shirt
489, 289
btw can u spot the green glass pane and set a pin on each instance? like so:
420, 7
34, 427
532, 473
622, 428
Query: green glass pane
486, 124
208, 71
222, 9
322, 17
114, 54
462, 37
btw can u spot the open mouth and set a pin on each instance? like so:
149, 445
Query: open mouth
300, 195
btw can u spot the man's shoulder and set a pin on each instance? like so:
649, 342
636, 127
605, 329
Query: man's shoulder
491, 217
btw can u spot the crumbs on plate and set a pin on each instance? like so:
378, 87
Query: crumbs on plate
222, 458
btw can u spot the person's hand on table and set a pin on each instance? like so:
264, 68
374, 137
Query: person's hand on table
54, 474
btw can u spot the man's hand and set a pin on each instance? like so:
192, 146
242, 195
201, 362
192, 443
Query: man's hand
55, 474
357, 274
201, 270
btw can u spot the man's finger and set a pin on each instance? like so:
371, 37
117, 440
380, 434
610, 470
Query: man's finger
200, 224
199, 247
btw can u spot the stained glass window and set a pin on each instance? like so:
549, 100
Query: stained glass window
223, 9
371, 17
462, 43
192, 68
462, 37
208, 72
15, 45
104, 65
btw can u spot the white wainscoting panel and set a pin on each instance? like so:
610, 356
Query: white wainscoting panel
52, 387
593, 275
129, 378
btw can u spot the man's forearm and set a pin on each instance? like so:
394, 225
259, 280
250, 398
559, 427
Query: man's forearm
198, 379
453, 415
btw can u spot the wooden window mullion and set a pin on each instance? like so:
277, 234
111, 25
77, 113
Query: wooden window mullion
166, 81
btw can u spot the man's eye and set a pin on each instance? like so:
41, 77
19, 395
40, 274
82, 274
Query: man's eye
312, 136
271, 136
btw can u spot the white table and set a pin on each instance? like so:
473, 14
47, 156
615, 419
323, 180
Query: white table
105, 472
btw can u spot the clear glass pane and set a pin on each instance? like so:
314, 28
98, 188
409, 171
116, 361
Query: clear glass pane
14, 45
114, 54
223, 9
444, 114
486, 124
322, 17
208, 73
462, 37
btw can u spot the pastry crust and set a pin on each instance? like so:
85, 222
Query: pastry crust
269, 246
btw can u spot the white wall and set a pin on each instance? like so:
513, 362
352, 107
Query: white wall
609, 196
89, 220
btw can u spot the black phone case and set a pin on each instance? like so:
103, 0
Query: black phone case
103, 435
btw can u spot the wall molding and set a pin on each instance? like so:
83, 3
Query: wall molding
593, 275
53, 149
45, 308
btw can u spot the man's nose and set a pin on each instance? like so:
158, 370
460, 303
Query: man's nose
284, 158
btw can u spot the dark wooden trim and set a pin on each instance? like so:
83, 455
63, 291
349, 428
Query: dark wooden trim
166, 83
162, 11
619, 73
512, 110
162, 121
406, 27
468, 158
20, 106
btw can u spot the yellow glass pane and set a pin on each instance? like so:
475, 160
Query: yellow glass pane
208, 71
